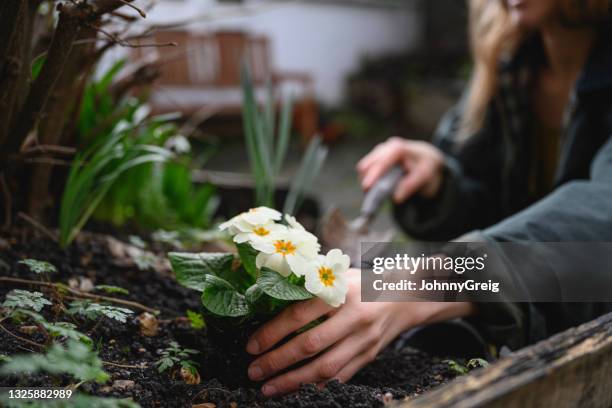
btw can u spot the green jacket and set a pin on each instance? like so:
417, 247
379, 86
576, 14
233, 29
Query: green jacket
485, 191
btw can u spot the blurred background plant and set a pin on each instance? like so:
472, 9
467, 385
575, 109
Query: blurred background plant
267, 147
152, 196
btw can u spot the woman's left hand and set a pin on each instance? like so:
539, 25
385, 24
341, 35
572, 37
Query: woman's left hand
350, 338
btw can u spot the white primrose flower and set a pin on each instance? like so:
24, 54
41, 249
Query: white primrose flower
256, 233
248, 220
286, 251
326, 277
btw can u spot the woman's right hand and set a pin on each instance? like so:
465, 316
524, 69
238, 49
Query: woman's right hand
423, 162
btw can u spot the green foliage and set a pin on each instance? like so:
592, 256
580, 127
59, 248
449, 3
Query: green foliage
38, 267
310, 167
95, 171
64, 330
190, 269
77, 400
222, 298
175, 355
23, 299
196, 320
112, 289
37, 65
280, 287
76, 359
151, 192
477, 363
94, 311
236, 289
457, 367
267, 147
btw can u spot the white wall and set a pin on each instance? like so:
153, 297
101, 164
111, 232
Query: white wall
326, 40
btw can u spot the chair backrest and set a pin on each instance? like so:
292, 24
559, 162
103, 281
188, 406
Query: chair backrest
209, 60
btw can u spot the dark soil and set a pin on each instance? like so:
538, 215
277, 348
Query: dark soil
399, 372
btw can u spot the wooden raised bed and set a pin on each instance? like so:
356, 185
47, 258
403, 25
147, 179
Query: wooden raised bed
570, 369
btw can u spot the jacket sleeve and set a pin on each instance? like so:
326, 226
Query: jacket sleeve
469, 197
578, 211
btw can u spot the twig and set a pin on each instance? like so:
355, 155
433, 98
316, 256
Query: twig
139, 11
81, 294
8, 202
118, 40
33, 343
38, 226
141, 366
51, 149
49, 161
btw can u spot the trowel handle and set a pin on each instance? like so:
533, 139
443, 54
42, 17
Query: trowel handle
380, 191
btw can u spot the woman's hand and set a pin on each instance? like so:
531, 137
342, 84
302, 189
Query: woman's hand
423, 162
350, 338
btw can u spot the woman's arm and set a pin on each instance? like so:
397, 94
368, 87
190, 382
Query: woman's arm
578, 211
350, 338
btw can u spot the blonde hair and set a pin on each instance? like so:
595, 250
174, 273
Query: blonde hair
493, 34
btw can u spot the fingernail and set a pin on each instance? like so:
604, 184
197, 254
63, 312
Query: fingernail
255, 372
268, 390
253, 347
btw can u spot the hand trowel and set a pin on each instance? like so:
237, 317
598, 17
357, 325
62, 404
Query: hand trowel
338, 232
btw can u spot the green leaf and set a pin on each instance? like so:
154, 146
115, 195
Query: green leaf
247, 256
310, 167
279, 287
191, 269
37, 65
476, 363
38, 267
77, 360
112, 289
221, 298
93, 311
67, 330
24, 299
254, 294
196, 319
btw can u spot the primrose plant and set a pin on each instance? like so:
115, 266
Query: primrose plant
278, 262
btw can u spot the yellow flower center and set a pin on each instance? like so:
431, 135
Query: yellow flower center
261, 231
326, 275
284, 247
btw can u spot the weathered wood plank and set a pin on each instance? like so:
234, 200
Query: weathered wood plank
571, 369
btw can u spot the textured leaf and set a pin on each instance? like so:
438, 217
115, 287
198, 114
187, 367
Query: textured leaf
221, 298
38, 267
278, 287
77, 359
23, 299
247, 257
191, 269
93, 311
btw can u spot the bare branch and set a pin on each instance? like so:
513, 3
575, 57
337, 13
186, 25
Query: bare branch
8, 20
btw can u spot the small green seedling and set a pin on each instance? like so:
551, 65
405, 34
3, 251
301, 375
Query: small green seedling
23, 299
38, 267
175, 355
93, 311
196, 319
112, 289
477, 363
55, 330
458, 368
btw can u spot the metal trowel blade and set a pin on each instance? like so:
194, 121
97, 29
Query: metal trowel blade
338, 232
